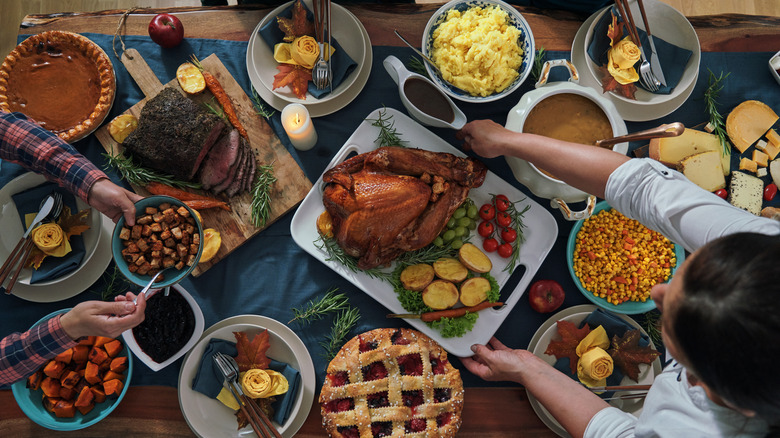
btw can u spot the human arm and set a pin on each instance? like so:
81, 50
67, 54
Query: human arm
585, 167
568, 401
113, 201
100, 318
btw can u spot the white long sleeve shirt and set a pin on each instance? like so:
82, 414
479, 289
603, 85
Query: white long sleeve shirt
664, 200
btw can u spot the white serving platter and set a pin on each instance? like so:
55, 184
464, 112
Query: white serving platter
540, 232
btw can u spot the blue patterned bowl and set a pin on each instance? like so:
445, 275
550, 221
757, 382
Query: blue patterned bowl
526, 42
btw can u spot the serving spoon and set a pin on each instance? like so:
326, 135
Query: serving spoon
151, 282
430, 62
665, 130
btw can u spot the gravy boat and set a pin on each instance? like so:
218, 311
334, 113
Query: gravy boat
401, 75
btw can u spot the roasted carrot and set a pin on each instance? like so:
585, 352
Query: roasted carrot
216, 89
157, 188
202, 204
460, 311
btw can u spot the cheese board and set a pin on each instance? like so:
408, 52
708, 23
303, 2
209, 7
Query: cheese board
235, 226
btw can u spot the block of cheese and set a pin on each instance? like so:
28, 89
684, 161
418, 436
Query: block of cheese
748, 164
745, 192
748, 122
772, 151
760, 158
773, 137
671, 150
704, 170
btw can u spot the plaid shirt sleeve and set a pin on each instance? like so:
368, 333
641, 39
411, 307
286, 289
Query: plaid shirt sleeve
21, 354
24, 142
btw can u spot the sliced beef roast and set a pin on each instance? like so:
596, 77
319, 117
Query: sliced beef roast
174, 134
250, 181
216, 167
221, 187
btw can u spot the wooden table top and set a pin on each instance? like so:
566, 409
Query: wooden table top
154, 410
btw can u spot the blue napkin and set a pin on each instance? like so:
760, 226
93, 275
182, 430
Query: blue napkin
614, 326
208, 380
673, 59
51, 268
341, 63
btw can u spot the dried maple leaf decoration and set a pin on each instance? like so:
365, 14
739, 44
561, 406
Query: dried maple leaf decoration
567, 346
298, 25
294, 76
627, 354
251, 353
608, 83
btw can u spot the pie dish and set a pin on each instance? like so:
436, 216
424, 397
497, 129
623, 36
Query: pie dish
391, 382
62, 80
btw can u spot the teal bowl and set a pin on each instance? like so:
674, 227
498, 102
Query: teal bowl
629, 307
31, 402
171, 277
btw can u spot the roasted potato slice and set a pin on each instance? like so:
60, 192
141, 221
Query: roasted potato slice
474, 259
190, 78
325, 224
450, 269
416, 277
122, 126
440, 295
474, 291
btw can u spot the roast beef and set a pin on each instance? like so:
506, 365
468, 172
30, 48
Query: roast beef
221, 187
216, 167
250, 180
174, 134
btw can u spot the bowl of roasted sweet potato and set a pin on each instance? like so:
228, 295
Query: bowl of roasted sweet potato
167, 234
78, 387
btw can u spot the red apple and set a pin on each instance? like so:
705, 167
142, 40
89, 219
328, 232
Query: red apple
546, 296
166, 30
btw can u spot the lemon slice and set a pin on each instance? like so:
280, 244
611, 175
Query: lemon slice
211, 243
122, 126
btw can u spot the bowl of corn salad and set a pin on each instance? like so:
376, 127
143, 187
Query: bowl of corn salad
615, 261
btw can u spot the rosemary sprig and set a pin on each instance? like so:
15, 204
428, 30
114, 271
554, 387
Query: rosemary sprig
261, 194
711, 94
337, 254
428, 255
261, 107
137, 175
314, 310
345, 321
538, 63
652, 326
416, 65
115, 284
518, 225
215, 108
388, 135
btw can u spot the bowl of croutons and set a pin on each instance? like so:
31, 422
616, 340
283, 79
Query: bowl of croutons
167, 234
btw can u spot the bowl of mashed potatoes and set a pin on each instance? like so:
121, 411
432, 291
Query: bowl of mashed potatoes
484, 49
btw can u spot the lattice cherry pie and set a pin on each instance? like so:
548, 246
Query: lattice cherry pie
391, 382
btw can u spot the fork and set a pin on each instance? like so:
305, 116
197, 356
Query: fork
231, 377
645, 72
250, 401
321, 74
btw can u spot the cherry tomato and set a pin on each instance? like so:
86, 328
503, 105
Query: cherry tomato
490, 244
503, 219
487, 212
721, 193
508, 235
502, 203
770, 191
485, 228
505, 250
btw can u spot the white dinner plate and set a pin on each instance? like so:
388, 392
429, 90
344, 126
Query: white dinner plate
356, 42
97, 241
629, 111
540, 232
549, 330
208, 417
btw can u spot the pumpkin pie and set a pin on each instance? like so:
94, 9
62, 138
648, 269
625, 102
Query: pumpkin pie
62, 80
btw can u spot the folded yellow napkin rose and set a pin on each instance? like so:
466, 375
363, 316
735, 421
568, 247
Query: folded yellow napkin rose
51, 240
303, 51
594, 367
596, 338
622, 57
256, 383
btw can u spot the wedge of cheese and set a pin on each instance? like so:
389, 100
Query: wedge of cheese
748, 122
745, 192
671, 150
704, 170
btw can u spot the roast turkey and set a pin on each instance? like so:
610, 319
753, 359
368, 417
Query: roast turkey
391, 200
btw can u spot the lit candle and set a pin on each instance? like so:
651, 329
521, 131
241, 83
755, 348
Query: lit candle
298, 126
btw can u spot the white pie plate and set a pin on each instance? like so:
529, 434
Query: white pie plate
541, 231
208, 417
549, 331
97, 241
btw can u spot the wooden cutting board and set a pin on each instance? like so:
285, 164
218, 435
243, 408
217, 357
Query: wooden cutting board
235, 227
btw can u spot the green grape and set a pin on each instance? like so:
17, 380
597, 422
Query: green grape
452, 223
456, 244
464, 222
472, 211
459, 213
460, 231
438, 242
448, 235
472, 226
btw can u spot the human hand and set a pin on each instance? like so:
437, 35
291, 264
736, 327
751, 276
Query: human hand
495, 361
113, 201
99, 318
484, 137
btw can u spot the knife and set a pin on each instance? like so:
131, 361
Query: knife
655, 63
13, 258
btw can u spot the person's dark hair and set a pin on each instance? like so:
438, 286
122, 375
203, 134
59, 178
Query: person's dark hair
727, 323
